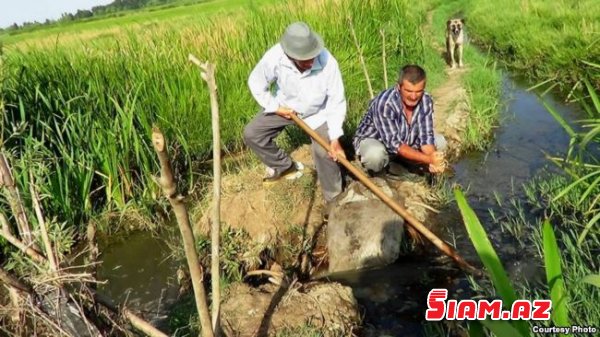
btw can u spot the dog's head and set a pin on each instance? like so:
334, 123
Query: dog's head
455, 26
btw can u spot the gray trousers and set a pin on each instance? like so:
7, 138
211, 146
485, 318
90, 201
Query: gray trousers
374, 155
260, 134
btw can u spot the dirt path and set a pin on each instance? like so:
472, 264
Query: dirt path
450, 100
451, 110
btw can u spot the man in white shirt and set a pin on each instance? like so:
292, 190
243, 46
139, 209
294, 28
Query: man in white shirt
298, 76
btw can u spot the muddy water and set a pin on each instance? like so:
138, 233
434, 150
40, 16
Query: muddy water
394, 297
140, 273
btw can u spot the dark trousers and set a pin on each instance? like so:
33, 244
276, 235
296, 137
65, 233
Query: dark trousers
260, 134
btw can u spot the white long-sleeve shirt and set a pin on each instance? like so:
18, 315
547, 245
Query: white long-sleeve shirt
317, 95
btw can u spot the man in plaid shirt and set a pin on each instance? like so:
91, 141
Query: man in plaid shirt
399, 123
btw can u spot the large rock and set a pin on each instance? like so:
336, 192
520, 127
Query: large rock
362, 231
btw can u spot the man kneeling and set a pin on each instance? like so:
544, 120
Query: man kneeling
399, 123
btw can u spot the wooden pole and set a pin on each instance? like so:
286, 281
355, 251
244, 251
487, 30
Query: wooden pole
32, 253
361, 57
167, 183
412, 221
385, 77
207, 72
42, 223
14, 199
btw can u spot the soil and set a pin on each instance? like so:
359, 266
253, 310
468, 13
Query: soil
269, 309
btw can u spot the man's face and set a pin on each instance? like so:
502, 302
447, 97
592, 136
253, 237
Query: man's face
303, 65
411, 93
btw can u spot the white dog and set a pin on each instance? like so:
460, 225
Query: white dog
455, 38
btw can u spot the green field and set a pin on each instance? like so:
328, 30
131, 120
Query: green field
79, 99
143, 19
558, 40
87, 105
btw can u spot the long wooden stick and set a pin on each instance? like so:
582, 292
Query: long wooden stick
412, 221
14, 199
383, 57
207, 72
29, 251
167, 183
42, 223
360, 56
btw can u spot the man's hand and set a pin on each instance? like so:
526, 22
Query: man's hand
438, 162
437, 157
285, 112
336, 150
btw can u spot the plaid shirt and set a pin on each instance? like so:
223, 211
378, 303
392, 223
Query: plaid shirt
385, 121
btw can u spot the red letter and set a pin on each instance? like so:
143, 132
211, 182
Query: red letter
451, 312
466, 309
436, 305
521, 309
542, 310
494, 309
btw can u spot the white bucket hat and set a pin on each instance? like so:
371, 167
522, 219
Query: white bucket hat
300, 42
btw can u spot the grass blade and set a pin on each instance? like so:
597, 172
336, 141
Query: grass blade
590, 135
572, 185
589, 190
559, 119
485, 250
556, 283
490, 259
593, 95
592, 279
587, 228
591, 64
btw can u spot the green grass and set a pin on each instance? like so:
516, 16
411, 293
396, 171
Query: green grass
539, 38
483, 89
140, 20
579, 259
83, 111
567, 264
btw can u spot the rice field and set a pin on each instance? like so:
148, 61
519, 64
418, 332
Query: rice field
79, 100
177, 14
81, 110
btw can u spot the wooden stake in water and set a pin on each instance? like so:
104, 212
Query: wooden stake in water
207, 72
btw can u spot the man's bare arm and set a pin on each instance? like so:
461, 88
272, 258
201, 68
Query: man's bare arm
427, 154
411, 154
428, 149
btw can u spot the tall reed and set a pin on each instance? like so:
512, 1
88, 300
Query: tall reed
82, 112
